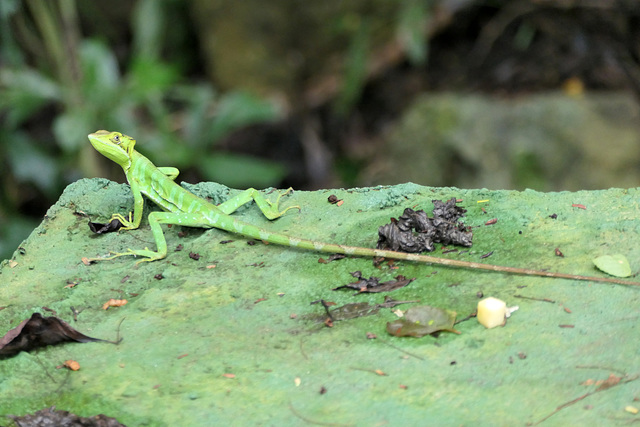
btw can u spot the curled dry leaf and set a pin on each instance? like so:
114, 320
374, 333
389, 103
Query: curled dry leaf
102, 228
114, 303
372, 284
39, 331
72, 365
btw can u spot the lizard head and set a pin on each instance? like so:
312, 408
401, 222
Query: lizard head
113, 145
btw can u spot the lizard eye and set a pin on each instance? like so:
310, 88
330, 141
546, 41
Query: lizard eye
116, 139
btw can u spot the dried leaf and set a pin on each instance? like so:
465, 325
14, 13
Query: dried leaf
72, 365
114, 303
37, 332
353, 310
609, 382
373, 285
421, 321
102, 228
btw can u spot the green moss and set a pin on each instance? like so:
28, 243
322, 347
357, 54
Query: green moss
245, 310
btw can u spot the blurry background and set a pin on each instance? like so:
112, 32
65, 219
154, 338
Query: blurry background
538, 94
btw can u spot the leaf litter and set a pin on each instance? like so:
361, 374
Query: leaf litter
39, 331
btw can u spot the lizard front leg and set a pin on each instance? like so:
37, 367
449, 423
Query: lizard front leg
269, 209
155, 219
138, 206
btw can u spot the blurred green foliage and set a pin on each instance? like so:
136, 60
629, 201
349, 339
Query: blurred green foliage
411, 22
135, 75
57, 87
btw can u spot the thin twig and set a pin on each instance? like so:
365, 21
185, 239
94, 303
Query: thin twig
578, 399
310, 421
399, 349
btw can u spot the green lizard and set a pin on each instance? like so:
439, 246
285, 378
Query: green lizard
184, 208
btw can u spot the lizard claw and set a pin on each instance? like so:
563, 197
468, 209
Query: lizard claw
276, 213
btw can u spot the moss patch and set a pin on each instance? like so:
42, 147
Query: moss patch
232, 338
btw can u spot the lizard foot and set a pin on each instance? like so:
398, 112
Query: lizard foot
147, 253
273, 211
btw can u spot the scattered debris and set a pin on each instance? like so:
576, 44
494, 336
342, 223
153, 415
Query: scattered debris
75, 313
103, 228
487, 255
50, 310
71, 365
373, 371
415, 232
578, 205
603, 385
559, 253
332, 257
353, 310
114, 303
372, 284
51, 417
356, 309
534, 299
333, 199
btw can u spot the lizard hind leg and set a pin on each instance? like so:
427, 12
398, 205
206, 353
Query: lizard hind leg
269, 209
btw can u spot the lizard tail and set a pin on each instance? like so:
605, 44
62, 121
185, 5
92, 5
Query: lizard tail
283, 239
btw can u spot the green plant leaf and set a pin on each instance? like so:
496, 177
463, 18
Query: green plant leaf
238, 109
412, 23
355, 68
421, 321
614, 265
31, 164
100, 70
148, 28
149, 77
25, 91
197, 118
72, 127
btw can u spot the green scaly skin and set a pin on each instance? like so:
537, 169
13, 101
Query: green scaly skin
184, 208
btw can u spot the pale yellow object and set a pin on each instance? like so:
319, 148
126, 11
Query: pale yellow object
631, 409
491, 312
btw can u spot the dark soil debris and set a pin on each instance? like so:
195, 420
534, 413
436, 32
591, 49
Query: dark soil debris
102, 228
49, 417
372, 284
415, 232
